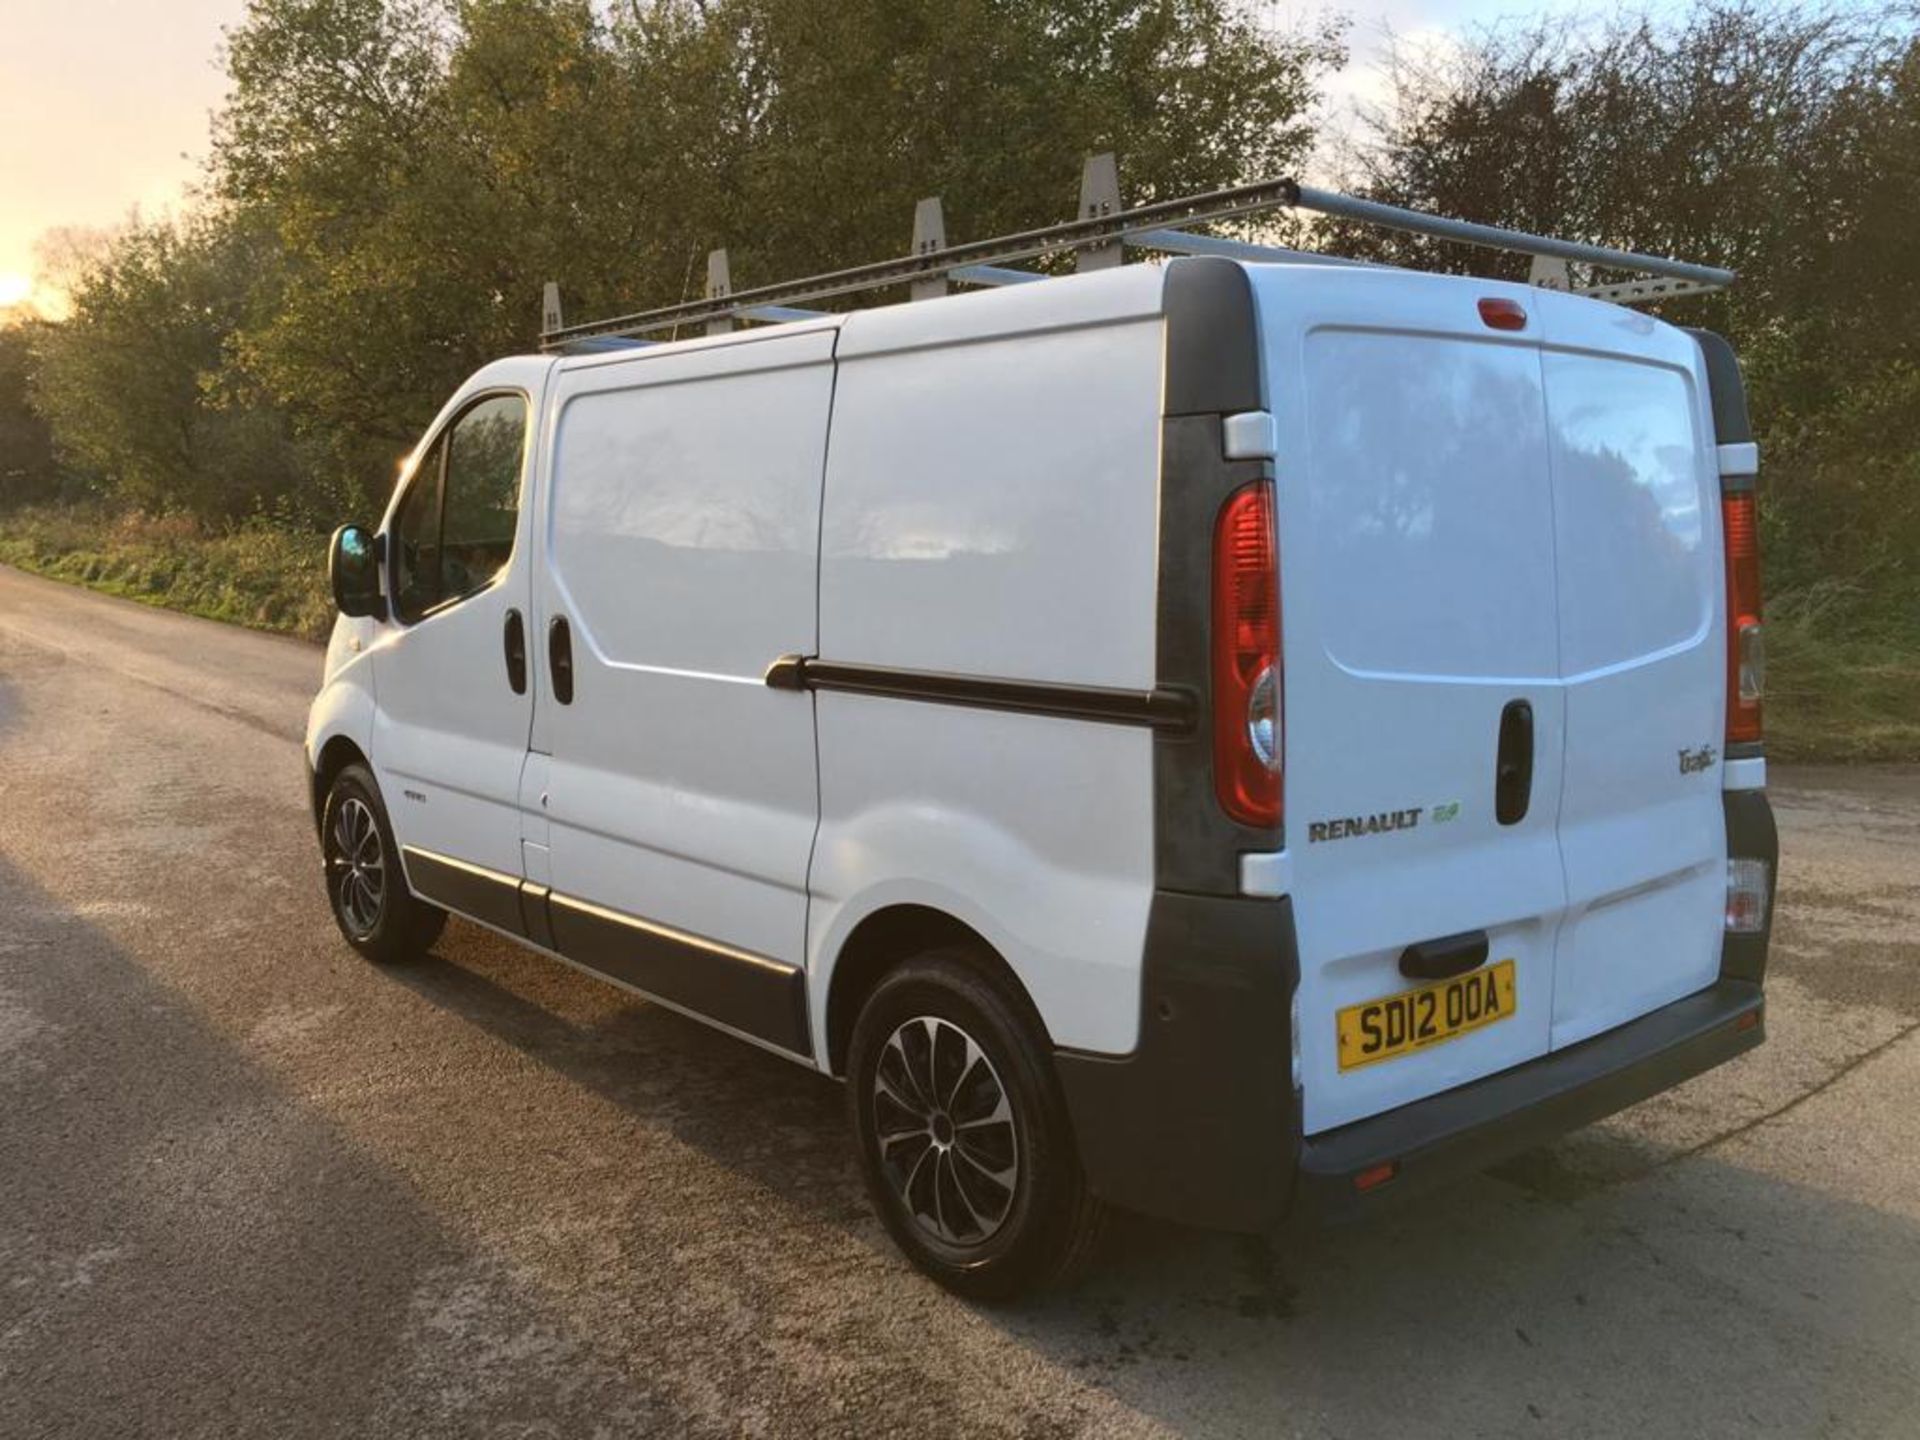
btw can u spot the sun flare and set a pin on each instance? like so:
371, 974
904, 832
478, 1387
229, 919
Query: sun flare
14, 288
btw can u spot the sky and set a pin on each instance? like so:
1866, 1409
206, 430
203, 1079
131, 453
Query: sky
104, 104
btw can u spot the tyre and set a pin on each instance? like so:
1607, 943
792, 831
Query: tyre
371, 903
963, 1133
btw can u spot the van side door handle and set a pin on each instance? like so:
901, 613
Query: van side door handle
515, 641
1513, 767
560, 659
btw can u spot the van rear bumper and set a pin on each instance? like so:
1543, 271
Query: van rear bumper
1466, 1129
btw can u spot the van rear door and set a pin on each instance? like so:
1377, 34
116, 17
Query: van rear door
1642, 652
1421, 633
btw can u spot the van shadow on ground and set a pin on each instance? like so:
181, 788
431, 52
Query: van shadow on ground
1707, 1297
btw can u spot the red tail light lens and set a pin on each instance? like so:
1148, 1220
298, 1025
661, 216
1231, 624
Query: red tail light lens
1502, 314
1247, 738
1746, 646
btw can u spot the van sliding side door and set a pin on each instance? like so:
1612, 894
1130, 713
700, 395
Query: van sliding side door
678, 561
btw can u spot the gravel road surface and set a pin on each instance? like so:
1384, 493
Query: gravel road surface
250, 1185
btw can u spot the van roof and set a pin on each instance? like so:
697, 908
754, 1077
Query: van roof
1097, 242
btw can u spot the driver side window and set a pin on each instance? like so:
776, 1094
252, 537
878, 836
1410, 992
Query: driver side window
453, 535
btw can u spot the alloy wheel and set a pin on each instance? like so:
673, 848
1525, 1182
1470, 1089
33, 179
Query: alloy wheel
356, 867
948, 1140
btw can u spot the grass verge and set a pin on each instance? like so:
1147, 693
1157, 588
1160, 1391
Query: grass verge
1840, 688
255, 574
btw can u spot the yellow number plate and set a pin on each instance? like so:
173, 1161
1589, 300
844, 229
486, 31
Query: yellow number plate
1416, 1019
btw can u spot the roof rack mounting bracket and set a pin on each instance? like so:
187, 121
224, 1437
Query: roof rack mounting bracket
1097, 240
1099, 198
929, 235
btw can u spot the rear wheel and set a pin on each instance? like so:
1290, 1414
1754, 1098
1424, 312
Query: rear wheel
963, 1133
375, 911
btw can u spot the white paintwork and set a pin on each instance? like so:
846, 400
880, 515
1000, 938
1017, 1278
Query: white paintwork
1749, 773
344, 706
1643, 660
1466, 517
991, 498
1740, 459
1251, 435
682, 505
448, 729
1418, 599
991, 510
1267, 873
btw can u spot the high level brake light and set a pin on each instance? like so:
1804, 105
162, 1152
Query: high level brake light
1247, 690
1746, 649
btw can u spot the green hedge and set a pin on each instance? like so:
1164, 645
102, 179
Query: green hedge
256, 574
1838, 688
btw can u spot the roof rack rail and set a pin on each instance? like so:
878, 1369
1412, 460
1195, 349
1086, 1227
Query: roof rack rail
1098, 240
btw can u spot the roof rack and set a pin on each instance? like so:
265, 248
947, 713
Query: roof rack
1098, 240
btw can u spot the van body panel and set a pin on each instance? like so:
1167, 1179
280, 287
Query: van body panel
1418, 603
914, 607
679, 547
990, 506
449, 734
990, 512
1642, 633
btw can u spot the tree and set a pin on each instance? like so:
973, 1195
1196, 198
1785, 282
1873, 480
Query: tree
134, 384
425, 167
1782, 143
26, 443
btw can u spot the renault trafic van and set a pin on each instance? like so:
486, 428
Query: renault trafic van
1233, 741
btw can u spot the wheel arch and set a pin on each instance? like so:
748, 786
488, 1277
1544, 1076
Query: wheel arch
338, 753
889, 937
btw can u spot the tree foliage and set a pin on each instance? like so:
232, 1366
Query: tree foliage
1782, 143
27, 469
427, 167
136, 384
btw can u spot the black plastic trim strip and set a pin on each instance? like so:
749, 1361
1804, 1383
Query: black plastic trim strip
743, 991
1751, 835
1472, 1126
486, 895
534, 914
1159, 709
1198, 1125
1213, 369
735, 988
1725, 389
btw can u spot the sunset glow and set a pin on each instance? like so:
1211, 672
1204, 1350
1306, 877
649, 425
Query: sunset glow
14, 288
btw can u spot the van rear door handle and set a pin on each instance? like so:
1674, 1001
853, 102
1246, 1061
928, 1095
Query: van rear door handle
560, 659
516, 647
1513, 767
1446, 957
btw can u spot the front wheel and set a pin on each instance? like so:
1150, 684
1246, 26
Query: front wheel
963, 1134
375, 911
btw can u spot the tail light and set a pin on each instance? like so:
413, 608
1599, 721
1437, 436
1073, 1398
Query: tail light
1247, 738
1746, 647
1747, 886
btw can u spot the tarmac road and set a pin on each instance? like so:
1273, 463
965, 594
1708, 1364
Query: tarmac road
250, 1185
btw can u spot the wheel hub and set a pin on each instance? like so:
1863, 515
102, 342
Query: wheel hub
949, 1144
356, 867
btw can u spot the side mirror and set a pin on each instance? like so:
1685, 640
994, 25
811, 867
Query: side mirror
353, 569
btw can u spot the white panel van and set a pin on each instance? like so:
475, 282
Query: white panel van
1233, 741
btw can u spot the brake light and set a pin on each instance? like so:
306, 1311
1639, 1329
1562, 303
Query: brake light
1499, 313
1247, 739
1746, 646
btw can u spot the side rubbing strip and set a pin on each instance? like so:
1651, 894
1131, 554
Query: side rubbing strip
749, 993
474, 890
745, 992
1158, 709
